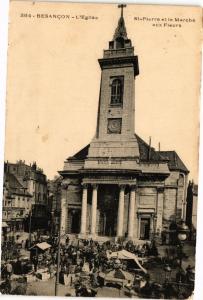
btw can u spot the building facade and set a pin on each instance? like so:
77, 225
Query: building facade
54, 202
17, 202
32, 178
191, 211
31, 181
118, 185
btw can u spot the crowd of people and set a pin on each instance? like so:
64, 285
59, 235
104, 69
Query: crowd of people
86, 255
81, 256
77, 258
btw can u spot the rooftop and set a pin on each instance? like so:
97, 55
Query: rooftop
13, 185
147, 154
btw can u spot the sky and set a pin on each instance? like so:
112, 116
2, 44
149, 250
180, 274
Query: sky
54, 79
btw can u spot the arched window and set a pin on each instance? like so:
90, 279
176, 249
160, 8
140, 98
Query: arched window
116, 91
181, 180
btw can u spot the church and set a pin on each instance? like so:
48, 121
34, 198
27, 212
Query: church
118, 186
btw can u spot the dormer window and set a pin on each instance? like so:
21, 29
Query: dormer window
117, 91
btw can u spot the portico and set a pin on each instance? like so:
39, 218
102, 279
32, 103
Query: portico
119, 204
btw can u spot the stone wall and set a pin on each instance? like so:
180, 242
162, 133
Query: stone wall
74, 195
169, 213
147, 197
173, 197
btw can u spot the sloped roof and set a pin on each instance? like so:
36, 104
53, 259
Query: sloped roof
174, 161
14, 184
82, 154
120, 31
147, 154
143, 149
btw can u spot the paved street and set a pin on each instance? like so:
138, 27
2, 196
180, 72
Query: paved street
47, 288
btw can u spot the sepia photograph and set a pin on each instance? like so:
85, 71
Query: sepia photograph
100, 178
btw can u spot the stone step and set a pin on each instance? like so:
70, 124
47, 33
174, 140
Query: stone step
73, 238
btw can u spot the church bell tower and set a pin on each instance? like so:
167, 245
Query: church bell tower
115, 136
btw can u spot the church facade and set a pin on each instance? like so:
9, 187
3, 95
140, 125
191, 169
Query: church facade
118, 185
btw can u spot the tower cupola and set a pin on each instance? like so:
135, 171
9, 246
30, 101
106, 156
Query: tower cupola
115, 134
120, 38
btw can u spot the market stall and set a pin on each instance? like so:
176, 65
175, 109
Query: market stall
117, 277
39, 249
131, 259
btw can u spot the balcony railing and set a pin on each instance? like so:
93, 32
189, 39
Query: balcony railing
119, 52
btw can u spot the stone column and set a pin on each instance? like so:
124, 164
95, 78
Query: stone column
84, 210
151, 232
120, 212
131, 221
138, 228
94, 209
64, 208
160, 207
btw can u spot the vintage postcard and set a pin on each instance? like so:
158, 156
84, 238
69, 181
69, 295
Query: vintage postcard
101, 150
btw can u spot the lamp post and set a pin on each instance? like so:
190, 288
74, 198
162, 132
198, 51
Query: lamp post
58, 257
182, 237
64, 187
30, 225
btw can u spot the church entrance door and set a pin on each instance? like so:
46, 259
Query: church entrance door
110, 223
108, 207
75, 221
144, 228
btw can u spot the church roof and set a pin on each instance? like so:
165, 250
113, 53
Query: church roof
147, 154
174, 161
82, 154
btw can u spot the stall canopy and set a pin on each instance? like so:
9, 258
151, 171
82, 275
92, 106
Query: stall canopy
116, 274
42, 246
126, 255
4, 224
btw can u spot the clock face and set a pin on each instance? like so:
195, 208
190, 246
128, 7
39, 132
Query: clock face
114, 125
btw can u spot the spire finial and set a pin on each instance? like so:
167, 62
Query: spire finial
122, 6
121, 30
